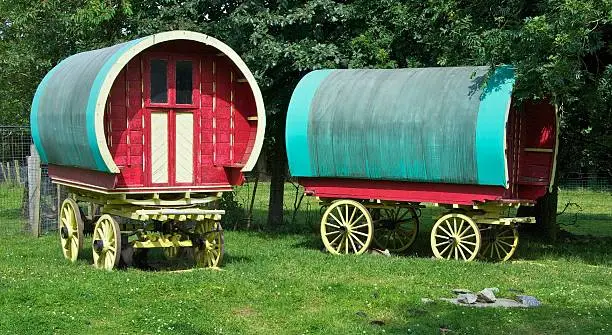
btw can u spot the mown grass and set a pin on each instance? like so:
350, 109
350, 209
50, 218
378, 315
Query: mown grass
281, 283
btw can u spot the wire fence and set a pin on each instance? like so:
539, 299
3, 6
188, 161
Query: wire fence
29, 201
26, 190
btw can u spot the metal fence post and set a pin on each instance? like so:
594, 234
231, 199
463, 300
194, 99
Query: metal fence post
34, 179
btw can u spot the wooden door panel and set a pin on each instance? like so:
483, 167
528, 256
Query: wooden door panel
159, 147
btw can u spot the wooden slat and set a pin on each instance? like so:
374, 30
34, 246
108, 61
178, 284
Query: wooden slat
184, 147
159, 148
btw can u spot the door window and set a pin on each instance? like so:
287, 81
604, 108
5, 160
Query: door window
159, 81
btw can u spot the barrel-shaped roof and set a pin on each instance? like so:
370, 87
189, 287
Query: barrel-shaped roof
441, 125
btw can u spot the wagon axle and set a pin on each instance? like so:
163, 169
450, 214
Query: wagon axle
64, 232
98, 245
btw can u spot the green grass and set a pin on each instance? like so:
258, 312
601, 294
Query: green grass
282, 283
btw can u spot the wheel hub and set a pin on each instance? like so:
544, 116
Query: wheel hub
98, 245
64, 232
198, 242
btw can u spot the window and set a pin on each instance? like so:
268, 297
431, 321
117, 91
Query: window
159, 82
184, 82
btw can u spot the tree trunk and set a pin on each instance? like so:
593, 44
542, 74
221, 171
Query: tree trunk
277, 168
546, 215
545, 212
275, 207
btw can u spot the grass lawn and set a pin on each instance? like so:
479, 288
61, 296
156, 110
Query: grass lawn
282, 283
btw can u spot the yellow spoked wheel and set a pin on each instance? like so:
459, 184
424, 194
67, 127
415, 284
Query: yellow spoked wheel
106, 243
172, 252
498, 242
70, 229
346, 227
395, 229
455, 236
209, 245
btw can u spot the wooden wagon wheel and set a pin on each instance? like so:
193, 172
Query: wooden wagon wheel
498, 242
209, 246
346, 227
172, 252
455, 236
106, 245
70, 225
395, 229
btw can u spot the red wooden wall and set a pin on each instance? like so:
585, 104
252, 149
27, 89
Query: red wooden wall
223, 134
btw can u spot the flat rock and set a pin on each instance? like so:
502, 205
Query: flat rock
467, 298
427, 300
528, 300
500, 302
486, 295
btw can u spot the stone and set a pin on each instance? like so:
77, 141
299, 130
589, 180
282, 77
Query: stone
427, 300
461, 291
467, 298
486, 295
528, 300
501, 302
381, 252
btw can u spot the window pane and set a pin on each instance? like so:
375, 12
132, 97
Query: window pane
159, 82
183, 82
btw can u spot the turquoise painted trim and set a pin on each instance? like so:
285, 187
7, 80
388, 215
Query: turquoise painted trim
34, 129
491, 127
296, 131
93, 99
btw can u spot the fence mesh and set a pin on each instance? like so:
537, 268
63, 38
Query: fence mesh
21, 178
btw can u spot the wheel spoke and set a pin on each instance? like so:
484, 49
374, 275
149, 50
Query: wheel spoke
340, 214
466, 237
461, 252
339, 246
360, 226
357, 220
467, 249
335, 239
506, 243
444, 250
332, 225
332, 232
497, 251
352, 215
352, 244
445, 231
443, 236
468, 242
360, 233
335, 218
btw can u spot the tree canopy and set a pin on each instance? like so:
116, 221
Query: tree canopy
561, 48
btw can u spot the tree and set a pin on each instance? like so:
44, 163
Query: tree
560, 48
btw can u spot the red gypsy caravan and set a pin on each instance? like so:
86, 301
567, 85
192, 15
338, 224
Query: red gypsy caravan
375, 145
151, 130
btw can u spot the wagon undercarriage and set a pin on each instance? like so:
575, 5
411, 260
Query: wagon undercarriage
124, 226
462, 233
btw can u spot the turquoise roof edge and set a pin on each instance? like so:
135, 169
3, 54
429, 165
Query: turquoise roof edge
491, 129
34, 114
296, 131
93, 98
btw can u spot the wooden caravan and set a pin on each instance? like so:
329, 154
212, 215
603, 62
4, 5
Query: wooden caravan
385, 141
150, 129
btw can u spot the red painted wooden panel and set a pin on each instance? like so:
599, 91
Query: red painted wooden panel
127, 125
402, 191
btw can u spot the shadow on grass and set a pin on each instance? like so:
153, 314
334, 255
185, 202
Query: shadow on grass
594, 250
